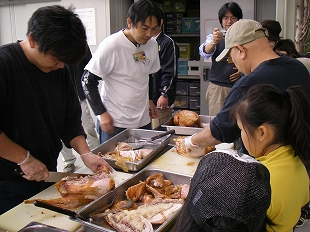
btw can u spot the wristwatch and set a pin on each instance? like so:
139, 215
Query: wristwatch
165, 95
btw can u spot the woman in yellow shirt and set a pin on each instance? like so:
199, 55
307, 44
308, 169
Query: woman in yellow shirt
275, 129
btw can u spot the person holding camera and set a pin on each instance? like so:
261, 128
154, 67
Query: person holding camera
223, 74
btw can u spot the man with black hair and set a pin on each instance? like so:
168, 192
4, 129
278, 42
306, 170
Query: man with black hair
123, 62
39, 106
223, 74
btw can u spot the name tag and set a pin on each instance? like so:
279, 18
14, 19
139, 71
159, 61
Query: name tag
139, 56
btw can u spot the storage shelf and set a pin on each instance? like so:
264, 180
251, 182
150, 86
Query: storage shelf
192, 77
184, 35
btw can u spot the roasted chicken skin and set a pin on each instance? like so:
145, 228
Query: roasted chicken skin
187, 118
78, 191
193, 153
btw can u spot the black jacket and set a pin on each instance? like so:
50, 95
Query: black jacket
77, 71
165, 79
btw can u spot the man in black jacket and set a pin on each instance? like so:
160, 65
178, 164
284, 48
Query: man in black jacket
163, 83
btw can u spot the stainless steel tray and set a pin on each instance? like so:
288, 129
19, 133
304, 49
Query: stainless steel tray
101, 202
157, 146
182, 130
36, 226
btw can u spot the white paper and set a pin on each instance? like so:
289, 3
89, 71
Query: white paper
87, 15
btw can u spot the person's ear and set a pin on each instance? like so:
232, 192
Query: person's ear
264, 133
241, 50
129, 23
31, 40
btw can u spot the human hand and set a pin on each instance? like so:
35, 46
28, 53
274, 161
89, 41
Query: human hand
217, 36
34, 169
162, 102
106, 123
235, 76
153, 111
96, 163
185, 147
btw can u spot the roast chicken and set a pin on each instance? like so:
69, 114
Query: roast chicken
124, 153
78, 191
156, 199
187, 118
193, 153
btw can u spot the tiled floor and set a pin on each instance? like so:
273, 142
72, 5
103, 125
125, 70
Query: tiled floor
79, 164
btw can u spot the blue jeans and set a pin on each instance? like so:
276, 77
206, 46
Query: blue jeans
14, 192
103, 136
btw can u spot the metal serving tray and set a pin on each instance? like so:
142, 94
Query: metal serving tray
102, 225
39, 227
111, 144
183, 130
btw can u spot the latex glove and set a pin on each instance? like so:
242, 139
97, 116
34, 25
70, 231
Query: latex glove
96, 163
185, 147
34, 169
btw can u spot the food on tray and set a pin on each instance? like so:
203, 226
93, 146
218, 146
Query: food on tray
156, 199
194, 153
128, 223
132, 155
123, 153
142, 218
121, 146
77, 191
187, 118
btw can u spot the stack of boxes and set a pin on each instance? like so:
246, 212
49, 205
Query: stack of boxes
179, 21
188, 95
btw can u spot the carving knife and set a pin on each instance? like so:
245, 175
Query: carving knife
54, 176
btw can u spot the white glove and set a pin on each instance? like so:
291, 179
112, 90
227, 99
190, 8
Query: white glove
193, 150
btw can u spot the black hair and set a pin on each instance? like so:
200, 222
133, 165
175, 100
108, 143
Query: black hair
288, 46
142, 9
287, 111
59, 31
233, 7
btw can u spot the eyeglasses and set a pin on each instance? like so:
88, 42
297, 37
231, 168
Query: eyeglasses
233, 18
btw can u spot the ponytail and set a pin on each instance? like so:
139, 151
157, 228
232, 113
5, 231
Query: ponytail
298, 133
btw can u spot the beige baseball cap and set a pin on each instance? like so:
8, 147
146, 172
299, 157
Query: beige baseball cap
242, 32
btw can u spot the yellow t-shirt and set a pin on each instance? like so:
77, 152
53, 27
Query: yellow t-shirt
289, 188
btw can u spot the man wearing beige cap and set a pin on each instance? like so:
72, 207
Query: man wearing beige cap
247, 44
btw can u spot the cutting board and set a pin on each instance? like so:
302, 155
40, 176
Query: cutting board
172, 161
21, 215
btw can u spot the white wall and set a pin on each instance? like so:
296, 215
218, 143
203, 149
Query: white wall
14, 18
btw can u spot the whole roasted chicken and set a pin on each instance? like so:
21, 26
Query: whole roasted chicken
187, 118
